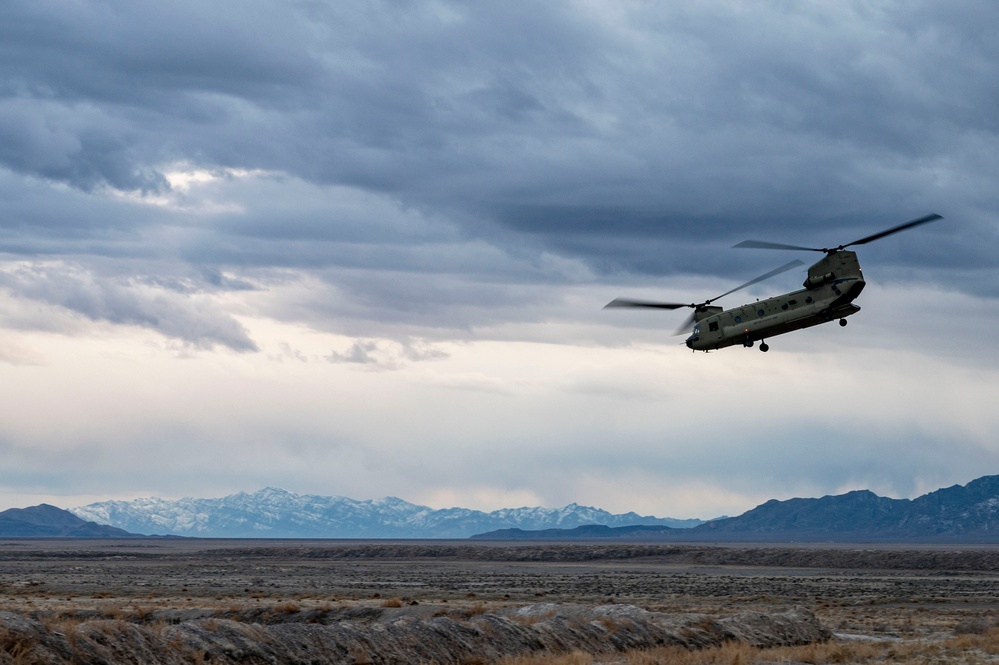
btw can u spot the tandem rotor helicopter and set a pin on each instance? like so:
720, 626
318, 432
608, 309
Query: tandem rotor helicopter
833, 283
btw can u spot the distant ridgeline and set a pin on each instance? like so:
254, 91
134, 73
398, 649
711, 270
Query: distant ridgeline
968, 513
45, 521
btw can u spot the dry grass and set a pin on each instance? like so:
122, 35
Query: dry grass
964, 649
288, 607
574, 658
16, 649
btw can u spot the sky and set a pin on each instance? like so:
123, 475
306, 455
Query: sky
362, 249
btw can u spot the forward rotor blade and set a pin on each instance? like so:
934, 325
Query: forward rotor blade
762, 244
686, 326
626, 302
776, 271
895, 229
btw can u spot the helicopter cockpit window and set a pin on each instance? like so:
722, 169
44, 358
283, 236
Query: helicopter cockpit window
713, 326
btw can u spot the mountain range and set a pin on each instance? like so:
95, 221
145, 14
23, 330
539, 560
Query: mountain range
276, 513
958, 513
45, 521
968, 513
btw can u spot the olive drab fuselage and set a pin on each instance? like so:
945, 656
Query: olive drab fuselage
829, 290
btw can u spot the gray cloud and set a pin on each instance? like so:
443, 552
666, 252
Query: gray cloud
190, 319
359, 353
569, 126
370, 353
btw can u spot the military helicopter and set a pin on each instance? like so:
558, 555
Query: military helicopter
833, 283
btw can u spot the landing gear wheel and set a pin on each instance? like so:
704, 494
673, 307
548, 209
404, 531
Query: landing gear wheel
748, 343
842, 322
764, 347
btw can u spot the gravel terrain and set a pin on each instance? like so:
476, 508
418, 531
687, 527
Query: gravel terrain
256, 600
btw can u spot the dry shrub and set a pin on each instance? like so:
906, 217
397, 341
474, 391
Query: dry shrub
986, 642
470, 659
740, 653
288, 608
19, 649
574, 658
69, 627
822, 653
392, 602
158, 628
728, 654
975, 626
611, 624
142, 613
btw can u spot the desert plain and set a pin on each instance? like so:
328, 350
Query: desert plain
176, 600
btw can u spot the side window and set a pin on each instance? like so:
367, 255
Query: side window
713, 326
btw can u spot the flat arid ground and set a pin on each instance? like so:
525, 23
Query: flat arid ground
188, 600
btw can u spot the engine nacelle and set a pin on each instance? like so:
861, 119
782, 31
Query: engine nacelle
818, 280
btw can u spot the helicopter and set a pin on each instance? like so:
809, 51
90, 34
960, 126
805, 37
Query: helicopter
832, 284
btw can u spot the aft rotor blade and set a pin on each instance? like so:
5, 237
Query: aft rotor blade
776, 271
762, 244
627, 302
895, 229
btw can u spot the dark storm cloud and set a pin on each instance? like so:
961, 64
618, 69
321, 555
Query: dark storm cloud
635, 138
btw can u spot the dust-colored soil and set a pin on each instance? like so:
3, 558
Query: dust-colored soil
280, 601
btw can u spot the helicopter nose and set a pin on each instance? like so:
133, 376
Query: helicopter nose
690, 342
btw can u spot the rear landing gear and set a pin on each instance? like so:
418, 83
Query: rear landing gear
764, 347
842, 322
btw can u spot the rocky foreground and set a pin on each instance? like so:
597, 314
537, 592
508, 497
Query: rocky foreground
384, 635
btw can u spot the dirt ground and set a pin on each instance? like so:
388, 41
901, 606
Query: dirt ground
858, 592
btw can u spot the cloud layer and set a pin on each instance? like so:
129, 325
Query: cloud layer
363, 249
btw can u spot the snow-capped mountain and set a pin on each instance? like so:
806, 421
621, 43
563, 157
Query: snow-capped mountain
276, 513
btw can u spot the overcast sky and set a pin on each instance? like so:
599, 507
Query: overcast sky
361, 249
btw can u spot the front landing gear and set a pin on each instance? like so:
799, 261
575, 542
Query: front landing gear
764, 347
